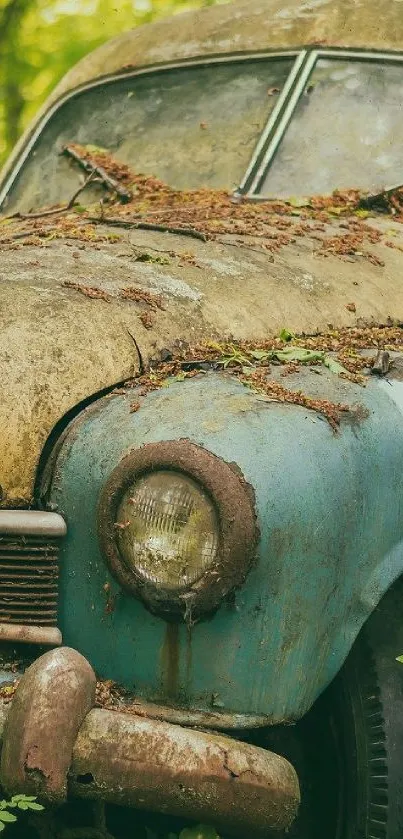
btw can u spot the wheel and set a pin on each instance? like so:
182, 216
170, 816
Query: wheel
366, 707
348, 751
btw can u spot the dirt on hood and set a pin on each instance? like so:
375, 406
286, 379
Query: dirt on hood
92, 296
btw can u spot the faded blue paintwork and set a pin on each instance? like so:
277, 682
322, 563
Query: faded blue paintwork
330, 513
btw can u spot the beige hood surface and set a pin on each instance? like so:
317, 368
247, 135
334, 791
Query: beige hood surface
59, 347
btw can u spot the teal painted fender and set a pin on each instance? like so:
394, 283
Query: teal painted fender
330, 512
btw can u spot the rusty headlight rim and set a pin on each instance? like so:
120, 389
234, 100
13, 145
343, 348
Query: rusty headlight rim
233, 499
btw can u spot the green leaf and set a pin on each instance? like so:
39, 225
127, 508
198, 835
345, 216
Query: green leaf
7, 817
95, 149
333, 365
2, 826
17, 798
201, 831
286, 335
30, 805
299, 354
144, 256
362, 213
399, 658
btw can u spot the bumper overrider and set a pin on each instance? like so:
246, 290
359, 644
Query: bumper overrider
56, 744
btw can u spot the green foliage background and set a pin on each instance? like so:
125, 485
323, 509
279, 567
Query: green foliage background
41, 39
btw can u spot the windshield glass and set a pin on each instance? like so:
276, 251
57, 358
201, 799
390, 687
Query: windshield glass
345, 132
192, 127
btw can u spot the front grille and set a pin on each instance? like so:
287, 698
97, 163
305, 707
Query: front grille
29, 571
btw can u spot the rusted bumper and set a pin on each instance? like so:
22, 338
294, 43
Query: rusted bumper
55, 743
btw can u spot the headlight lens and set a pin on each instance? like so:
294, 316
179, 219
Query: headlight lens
177, 528
168, 529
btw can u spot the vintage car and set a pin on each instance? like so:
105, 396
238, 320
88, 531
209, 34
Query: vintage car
201, 431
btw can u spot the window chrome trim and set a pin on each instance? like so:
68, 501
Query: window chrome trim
279, 129
271, 124
260, 171
115, 77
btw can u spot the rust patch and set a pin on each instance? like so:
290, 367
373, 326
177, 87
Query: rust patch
189, 655
159, 766
170, 660
49, 705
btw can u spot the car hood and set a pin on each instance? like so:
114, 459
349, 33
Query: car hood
79, 317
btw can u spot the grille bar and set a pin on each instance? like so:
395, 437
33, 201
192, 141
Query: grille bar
29, 572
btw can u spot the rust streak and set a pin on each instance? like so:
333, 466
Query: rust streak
170, 660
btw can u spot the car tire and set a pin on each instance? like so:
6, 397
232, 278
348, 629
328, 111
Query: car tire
357, 731
348, 750
365, 707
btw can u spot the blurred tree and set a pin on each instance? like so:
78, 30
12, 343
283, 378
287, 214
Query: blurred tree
41, 39
12, 13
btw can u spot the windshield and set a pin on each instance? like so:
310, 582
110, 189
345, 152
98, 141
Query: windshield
191, 127
346, 132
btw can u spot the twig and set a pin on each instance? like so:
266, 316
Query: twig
144, 225
89, 166
91, 178
141, 361
54, 212
39, 215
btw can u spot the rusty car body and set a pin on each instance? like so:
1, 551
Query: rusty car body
201, 423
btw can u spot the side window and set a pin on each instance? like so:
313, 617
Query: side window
346, 131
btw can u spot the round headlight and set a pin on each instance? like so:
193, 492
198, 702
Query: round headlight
177, 528
169, 529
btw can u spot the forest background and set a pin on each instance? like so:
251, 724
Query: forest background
41, 39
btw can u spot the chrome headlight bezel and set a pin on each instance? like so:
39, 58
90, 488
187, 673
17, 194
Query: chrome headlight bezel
237, 529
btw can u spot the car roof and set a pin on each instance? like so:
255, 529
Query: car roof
246, 26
